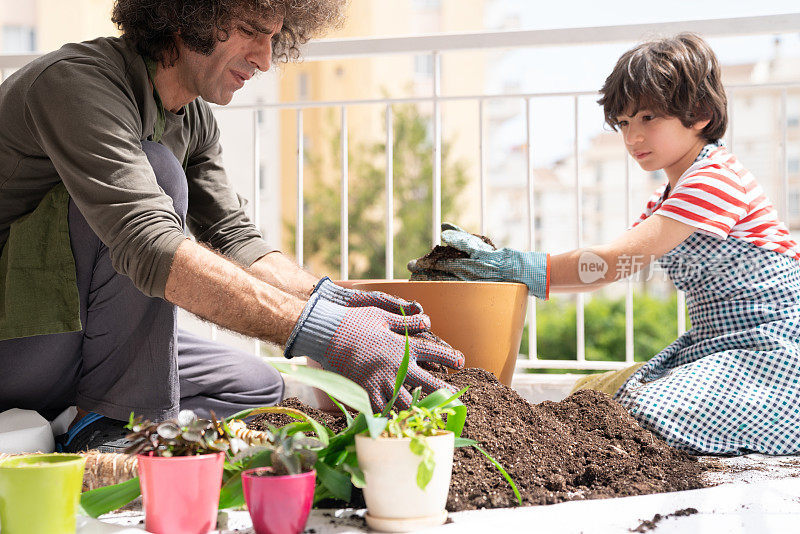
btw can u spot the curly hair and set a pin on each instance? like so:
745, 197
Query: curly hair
152, 24
677, 76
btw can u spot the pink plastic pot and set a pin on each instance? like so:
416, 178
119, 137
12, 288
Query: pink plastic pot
278, 504
180, 494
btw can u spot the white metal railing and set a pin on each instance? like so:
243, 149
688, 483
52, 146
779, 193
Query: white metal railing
435, 44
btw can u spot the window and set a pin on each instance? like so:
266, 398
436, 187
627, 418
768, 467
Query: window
793, 165
18, 39
792, 121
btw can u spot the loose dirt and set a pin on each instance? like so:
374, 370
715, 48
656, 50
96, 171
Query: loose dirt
426, 265
650, 524
584, 447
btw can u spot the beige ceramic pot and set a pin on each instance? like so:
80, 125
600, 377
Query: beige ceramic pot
484, 320
395, 503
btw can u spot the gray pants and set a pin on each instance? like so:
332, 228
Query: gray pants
130, 355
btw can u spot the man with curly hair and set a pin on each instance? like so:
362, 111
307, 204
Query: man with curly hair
108, 148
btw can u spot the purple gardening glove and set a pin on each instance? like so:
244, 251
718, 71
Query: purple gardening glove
367, 345
354, 298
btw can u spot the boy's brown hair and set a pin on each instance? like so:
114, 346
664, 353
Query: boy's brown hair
677, 76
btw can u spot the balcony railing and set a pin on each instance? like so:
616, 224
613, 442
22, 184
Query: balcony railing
435, 45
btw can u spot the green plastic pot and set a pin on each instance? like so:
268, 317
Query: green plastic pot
40, 493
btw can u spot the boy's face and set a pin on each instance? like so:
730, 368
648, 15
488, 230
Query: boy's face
661, 141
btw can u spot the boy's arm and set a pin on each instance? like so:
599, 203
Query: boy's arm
629, 253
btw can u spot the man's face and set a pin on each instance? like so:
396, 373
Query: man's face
234, 61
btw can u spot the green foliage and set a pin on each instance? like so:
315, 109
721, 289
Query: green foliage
419, 423
184, 436
654, 327
413, 193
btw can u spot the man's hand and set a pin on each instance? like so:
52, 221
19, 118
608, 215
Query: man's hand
353, 298
486, 263
367, 344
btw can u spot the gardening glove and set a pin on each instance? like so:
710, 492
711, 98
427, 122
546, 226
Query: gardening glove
490, 264
353, 298
367, 345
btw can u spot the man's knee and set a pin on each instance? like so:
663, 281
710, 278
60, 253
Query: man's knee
169, 175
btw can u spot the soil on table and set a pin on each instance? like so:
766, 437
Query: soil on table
584, 447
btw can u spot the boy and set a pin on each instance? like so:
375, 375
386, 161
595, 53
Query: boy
730, 384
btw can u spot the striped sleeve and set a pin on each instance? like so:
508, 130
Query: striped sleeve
712, 199
652, 204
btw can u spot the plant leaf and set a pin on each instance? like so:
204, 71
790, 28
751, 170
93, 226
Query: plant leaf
415, 395
375, 425
100, 501
465, 442
347, 416
401, 375
337, 386
321, 431
442, 398
502, 472
335, 481
425, 470
456, 421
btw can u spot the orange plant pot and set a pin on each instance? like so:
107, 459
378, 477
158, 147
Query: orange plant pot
484, 320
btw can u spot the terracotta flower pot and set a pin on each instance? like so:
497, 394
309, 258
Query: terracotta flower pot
180, 494
484, 320
40, 493
394, 501
278, 504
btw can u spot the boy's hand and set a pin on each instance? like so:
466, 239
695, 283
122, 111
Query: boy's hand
367, 345
486, 263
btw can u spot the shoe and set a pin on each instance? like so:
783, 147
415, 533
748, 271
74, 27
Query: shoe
95, 432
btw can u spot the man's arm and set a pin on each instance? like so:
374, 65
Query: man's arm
279, 271
220, 291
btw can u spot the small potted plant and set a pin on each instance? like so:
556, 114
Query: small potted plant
279, 496
180, 471
407, 469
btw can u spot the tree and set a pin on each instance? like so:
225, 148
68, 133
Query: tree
413, 180
654, 327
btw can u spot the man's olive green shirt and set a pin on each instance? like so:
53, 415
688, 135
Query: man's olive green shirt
78, 116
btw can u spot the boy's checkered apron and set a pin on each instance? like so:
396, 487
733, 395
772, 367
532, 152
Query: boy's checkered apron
731, 384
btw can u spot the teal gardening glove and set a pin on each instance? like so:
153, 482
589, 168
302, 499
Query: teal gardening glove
366, 344
489, 264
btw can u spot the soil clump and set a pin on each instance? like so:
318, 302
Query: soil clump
426, 265
650, 524
584, 447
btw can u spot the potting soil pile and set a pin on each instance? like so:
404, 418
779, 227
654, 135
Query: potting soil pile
584, 447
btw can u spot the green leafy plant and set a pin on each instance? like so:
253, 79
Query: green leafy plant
418, 423
337, 466
287, 452
187, 435
336, 462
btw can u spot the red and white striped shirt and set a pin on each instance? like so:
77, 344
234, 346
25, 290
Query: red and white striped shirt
718, 196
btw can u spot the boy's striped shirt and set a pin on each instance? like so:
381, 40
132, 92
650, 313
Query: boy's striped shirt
718, 196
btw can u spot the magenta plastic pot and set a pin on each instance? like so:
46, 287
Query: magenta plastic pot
278, 504
180, 494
